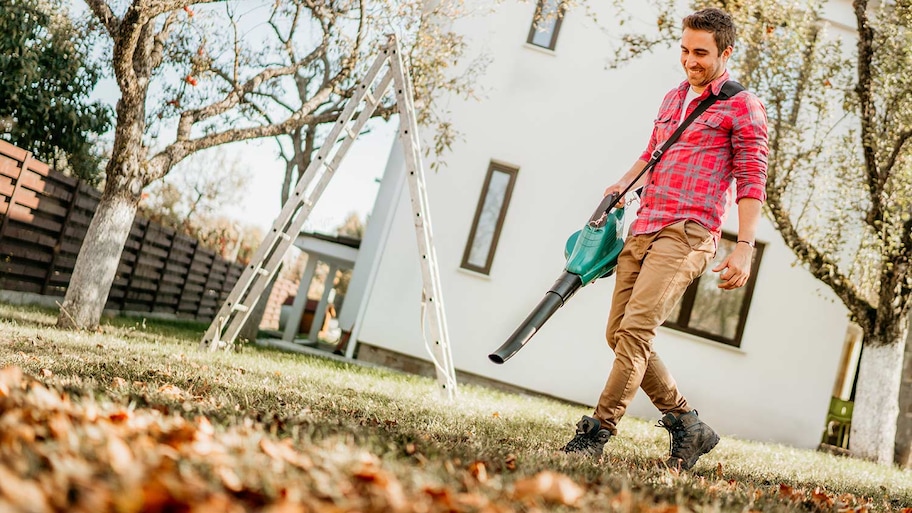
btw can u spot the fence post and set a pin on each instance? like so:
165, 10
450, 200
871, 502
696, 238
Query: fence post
144, 223
164, 270
206, 285
63, 227
12, 199
183, 290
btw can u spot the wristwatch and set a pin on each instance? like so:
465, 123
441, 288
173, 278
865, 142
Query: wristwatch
748, 242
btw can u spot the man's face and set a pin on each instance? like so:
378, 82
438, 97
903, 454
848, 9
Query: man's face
701, 58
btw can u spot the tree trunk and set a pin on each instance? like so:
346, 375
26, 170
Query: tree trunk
903, 448
876, 400
98, 259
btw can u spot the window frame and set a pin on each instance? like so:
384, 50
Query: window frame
554, 32
493, 167
690, 295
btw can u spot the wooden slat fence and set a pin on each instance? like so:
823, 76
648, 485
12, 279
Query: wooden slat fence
44, 216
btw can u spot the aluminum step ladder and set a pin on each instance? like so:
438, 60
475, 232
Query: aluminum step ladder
236, 309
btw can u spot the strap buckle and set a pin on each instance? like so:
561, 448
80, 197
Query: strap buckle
657, 154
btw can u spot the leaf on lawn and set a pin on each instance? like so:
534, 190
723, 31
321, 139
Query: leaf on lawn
478, 471
121, 457
510, 462
47, 373
380, 483
25, 495
285, 452
118, 382
119, 416
822, 499
789, 493
205, 427
622, 501
170, 390
179, 435
550, 486
662, 508
230, 479
441, 496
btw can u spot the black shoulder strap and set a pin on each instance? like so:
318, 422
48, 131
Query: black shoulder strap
729, 89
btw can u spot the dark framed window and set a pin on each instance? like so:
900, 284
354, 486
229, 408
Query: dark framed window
710, 312
489, 218
546, 24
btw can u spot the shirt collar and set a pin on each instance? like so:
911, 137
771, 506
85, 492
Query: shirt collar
715, 86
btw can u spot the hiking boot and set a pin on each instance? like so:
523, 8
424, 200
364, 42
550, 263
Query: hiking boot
590, 438
690, 439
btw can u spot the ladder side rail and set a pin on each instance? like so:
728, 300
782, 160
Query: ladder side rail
241, 289
421, 216
234, 326
434, 270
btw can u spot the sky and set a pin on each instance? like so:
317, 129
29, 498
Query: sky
353, 188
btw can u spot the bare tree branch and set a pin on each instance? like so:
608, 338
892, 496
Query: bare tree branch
157, 53
874, 180
887, 168
105, 15
235, 97
822, 267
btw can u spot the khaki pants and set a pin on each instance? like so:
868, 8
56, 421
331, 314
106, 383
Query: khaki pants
653, 272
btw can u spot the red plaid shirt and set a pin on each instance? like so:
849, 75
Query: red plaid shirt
693, 179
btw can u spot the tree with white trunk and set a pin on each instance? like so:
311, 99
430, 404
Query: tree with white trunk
196, 74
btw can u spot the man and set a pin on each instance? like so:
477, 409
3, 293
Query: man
674, 238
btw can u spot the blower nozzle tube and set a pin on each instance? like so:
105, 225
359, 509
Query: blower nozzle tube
564, 287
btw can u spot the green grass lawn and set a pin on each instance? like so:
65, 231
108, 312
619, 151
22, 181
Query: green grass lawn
134, 417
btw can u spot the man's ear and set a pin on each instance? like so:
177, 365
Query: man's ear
727, 52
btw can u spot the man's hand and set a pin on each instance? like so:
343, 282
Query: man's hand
735, 268
616, 189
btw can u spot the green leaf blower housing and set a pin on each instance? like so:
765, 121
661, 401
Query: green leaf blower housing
591, 254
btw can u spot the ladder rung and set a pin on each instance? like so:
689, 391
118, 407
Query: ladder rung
284, 236
240, 308
350, 133
262, 271
369, 98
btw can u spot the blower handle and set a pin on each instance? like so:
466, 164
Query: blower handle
600, 216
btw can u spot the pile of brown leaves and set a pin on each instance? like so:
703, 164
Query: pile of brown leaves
59, 453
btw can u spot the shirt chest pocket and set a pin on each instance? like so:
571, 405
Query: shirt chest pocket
666, 124
709, 129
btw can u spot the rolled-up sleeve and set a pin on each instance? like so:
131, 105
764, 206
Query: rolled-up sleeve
750, 147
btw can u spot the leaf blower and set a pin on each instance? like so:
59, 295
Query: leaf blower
591, 254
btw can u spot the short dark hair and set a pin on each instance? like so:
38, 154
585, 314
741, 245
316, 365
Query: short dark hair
716, 21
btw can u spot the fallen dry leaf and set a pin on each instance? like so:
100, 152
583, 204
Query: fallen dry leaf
24, 495
550, 486
789, 493
230, 479
118, 382
171, 390
822, 499
478, 471
121, 457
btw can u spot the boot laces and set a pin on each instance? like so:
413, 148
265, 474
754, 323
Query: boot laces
678, 436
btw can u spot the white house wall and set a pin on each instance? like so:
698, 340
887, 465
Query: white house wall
572, 127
